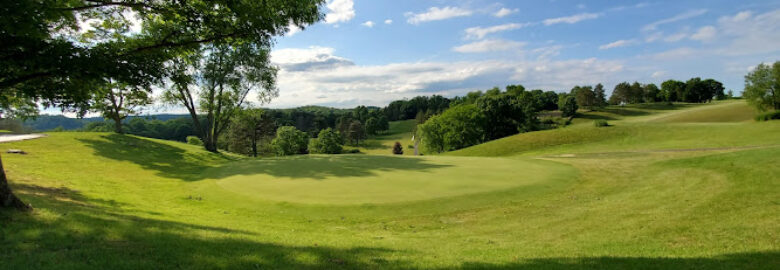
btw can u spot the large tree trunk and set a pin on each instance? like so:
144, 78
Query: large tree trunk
210, 144
118, 125
7, 197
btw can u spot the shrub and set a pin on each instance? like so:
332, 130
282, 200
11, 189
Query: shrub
193, 140
398, 149
290, 141
600, 123
327, 142
768, 116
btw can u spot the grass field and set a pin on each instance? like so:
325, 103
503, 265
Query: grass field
650, 192
382, 144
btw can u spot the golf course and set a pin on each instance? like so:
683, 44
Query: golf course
683, 186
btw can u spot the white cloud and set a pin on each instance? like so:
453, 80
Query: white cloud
658, 74
505, 12
340, 11
676, 37
619, 43
293, 30
351, 85
676, 54
479, 32
706, 33
572, 19
679, 17
313, 58
745, 33
388, 21
368, 24
436, 14
490, 45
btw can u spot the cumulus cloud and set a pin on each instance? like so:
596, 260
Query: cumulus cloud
619, 43
436, 14
746, 33
505, 12
351, 85
490, 45
388, 21
340, 11
368, 24
313, 58
480, 32
705, 33
679, 17
571, 19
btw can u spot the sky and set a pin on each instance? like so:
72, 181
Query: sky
372, 52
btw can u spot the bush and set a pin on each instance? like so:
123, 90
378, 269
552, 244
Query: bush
768, 116
398, 149
193, 140
327, 142
290, 141
600, 123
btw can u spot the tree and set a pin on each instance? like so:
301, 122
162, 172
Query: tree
621, 94
45, 58
585, 96
398, 149
117, 100
372, 126
290, 141
247, 129
356, 132
651, 93
504, 114
221, 77
716, 89
762, 87
672, 90
459, 127
327, 142
601, 97
568, 105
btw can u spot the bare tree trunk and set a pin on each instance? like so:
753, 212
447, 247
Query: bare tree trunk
7, 197
118, 125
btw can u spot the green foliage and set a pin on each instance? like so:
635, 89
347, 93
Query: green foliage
116, 101
327, 142
194, 140
249, 132
672, 90
775, 115
398, 149
600, 123
567, 105
762, 87
355, 132
456, 128
506, 114
290, 141
372, 126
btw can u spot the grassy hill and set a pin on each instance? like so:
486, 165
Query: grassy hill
400, 131
646, 193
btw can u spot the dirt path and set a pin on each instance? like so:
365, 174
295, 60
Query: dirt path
19, 137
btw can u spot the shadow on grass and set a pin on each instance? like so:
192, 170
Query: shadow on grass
593, 116
321, 167
81, 233
166, 160
173, 162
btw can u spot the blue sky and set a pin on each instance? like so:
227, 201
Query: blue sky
373, 52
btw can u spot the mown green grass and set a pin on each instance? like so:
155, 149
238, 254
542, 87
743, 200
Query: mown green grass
611, 201
382, 144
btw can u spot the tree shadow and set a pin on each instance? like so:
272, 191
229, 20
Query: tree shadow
168, 161
748, 260
173, 162
593, 116
624, 111
320, 166
80, 233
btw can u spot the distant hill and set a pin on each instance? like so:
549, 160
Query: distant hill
49, 122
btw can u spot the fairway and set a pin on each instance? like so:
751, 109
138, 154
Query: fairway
360, 179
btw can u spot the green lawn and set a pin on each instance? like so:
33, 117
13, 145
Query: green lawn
382, 144
642, 194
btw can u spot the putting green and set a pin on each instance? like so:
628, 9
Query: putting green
361, 179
